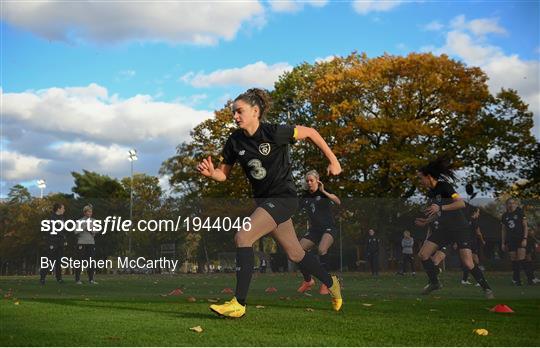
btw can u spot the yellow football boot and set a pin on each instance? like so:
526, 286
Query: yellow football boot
230, 309
335, 292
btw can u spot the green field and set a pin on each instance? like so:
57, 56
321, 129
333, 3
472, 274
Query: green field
383, 311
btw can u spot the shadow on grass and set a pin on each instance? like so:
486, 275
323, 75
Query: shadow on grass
105, 305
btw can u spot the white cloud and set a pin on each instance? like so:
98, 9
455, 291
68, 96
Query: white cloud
294, 5
366, 6
467, 42
258, 74
116, 21
92, 156
325, 59
17, 166
478, 27
90, 113
433, 26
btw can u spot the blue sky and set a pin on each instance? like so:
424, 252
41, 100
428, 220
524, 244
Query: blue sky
83, 82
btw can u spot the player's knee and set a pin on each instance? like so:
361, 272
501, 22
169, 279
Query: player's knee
423, 255
242, 239
296, 256
323, 252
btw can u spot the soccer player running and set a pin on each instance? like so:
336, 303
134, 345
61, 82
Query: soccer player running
322, 230
514, 234
262, 149
447, 209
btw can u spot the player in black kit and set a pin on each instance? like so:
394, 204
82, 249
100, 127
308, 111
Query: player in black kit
447, 209
317, 202
262, 150
514, 236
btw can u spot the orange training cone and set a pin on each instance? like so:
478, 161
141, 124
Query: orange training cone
501, 308
176, 292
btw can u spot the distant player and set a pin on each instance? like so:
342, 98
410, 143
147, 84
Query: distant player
317, 202
54, 245
407, 245
530, 255
447, 211
477, 241
262, 149
514, 237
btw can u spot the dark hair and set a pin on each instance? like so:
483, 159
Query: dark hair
57, 206
440, 168
256, 97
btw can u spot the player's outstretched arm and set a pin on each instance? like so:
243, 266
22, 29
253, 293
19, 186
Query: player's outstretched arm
206, 168
334, 168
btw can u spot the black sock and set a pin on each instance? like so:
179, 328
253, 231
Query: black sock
515, 268
244, 269
528, 268
431, 272
479, 277
305, 273
311, 265
465, 274
323, 259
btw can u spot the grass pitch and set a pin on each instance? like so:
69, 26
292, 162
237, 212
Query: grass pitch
382, 311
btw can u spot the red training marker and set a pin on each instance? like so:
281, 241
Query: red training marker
501, 308
176, 292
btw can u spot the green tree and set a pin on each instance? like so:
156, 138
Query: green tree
19, 194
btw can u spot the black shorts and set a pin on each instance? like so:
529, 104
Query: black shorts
513, 244
315, 234
281, 209
443, 237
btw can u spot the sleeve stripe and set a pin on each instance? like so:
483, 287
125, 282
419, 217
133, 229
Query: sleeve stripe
295, 134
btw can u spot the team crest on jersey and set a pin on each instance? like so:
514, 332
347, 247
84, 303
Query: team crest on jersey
241, 152
264, 149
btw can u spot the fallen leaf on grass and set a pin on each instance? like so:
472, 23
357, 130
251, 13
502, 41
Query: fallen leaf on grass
212, 300
270, 290
367, 304
197, 329
260, 307
481, 332
433, 310
16, 303
310, 310
307, 294
87, 299
191, 299
227, 291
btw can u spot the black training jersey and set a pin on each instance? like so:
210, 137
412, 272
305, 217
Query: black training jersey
513, 222
265, 159
319, 209
442, 194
